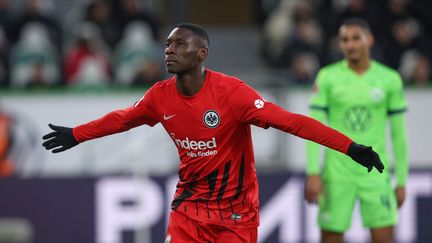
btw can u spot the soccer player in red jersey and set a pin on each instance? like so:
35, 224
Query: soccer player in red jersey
208, 116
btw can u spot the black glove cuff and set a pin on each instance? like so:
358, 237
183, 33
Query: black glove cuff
71, 139
355, 150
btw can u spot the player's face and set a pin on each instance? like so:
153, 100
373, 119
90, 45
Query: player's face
355, 42
184, 51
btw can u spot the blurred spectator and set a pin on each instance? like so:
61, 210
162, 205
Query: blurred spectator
276, 30
416, 69
19, 145
395, 10
34, 59
265, 9
4, 80
303, 68
334, 12
37, 11
306, 37
4, 13
148, 73
71, 23
405, 36
363, 9
99, 13
4, 41
87, 61
301, 34
133, 11
137, 59
6, 165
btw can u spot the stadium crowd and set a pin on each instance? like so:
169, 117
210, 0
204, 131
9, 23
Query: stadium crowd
108, 42
301, 36
93, 44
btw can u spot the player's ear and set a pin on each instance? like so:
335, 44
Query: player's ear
202, 54
371, 40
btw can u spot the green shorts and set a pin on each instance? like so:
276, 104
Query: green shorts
377, 206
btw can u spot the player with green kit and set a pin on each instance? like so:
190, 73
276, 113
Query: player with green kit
358, 97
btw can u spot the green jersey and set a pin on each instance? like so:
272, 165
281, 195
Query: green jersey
358, 106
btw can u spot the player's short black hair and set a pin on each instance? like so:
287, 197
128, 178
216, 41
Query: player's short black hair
196, 29
356, 22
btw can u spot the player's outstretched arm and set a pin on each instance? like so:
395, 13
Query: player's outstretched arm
60, 139
365, 156
313, 130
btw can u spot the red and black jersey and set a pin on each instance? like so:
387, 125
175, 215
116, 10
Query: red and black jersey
211, 129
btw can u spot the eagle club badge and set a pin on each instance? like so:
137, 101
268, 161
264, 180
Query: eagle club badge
211, 119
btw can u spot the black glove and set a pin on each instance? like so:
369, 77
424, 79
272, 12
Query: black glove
365, 156
61, 139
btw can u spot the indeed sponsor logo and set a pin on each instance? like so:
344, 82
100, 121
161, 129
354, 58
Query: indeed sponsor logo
194, 145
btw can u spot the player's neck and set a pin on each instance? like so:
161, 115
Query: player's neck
360, 66
189, 84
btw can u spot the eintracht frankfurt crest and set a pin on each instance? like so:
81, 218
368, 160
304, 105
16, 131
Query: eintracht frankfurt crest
211, 119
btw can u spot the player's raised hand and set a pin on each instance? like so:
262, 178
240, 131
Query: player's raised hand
365, 156
59, 140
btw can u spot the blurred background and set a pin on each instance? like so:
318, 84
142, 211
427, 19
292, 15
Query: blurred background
70, 61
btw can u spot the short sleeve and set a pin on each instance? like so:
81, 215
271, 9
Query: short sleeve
397, 101
319, 99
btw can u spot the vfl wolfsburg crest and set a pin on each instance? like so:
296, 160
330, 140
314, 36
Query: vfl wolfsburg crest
377, 95
211, 119
358, 119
